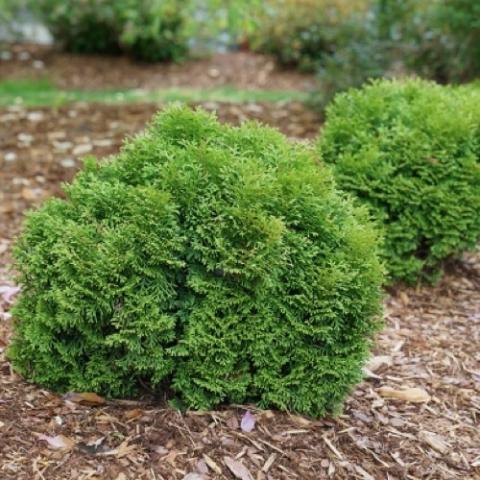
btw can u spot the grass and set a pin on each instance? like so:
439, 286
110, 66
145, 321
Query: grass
32, 93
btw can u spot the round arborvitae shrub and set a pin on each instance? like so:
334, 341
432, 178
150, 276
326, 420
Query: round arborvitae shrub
214, 261
148, 30
155, 30
303, 33
410, 151
82, 26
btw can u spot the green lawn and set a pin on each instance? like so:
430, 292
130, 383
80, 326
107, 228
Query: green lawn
43, 93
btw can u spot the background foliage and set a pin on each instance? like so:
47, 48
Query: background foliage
302, 32
345, 42
151, 30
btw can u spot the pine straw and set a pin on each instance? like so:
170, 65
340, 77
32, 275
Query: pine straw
430, 342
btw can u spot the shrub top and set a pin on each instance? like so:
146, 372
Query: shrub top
216, 261
410, 151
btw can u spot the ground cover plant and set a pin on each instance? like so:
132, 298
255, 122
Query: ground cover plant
217, 261
410, 151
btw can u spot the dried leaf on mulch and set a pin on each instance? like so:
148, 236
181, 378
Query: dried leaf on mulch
238, 469
414, 395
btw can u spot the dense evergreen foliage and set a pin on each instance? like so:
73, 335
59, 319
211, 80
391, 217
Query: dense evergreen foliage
150, 30
217, 261
304, 33
410, 151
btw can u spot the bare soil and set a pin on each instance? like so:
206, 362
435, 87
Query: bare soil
430, 343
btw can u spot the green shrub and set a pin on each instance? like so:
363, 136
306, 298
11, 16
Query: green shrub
230, 23
457, 22
361, 57
301, 32
215, 260
154, 30
410, 151
438, 40
83, 26
385, 41
151, 30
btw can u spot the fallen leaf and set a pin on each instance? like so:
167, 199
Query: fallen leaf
67, 163
238, 469
434, 441
132, 414
10, 156
93, 448
59, 441
301, 420
202, 467
365, 475
32, 194
377, 362
414, 395
405, 298
82, 149
194, 476
268, 464
369, 374
211, 464
266, 414
232, 422
8, 292
35, 116
171, 458
121, 451
248, 422
87, 398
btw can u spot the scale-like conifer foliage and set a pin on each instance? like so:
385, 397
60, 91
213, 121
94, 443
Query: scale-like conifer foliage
214, 261
410, 151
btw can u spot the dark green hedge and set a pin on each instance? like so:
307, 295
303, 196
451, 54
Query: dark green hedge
410, 151
217, 261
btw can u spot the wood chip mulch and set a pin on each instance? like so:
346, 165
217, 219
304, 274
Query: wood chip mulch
415, 416
244, 70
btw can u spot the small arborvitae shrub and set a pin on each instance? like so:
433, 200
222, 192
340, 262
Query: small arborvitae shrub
155, 30
215, 261
459, 23
410, 151
82, 26
148, 30
303, 33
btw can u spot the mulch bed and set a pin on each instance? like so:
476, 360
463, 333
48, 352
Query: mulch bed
40, 148
243, 70
430, 343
